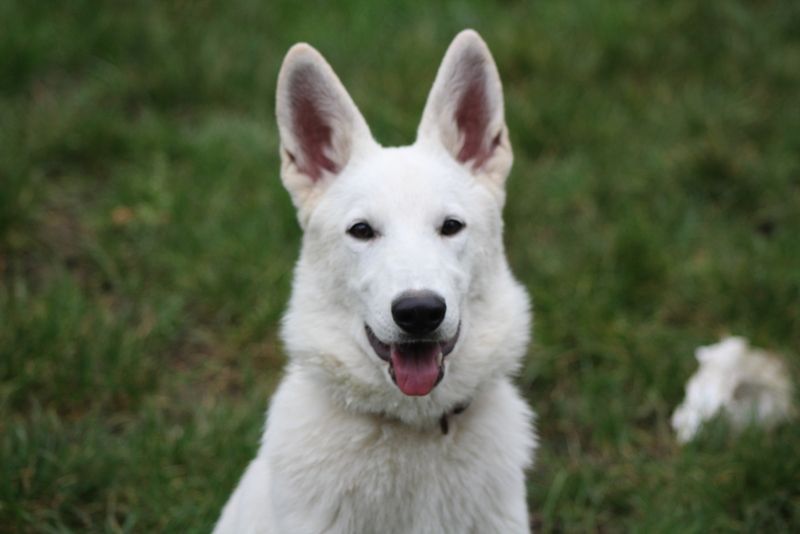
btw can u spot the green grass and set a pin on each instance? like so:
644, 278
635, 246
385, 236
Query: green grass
146, 244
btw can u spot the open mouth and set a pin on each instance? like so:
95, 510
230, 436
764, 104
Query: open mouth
416, 366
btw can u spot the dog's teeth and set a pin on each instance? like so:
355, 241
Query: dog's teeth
391, 373
440, 358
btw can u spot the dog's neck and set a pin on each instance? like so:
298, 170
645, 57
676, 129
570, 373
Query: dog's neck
444, 419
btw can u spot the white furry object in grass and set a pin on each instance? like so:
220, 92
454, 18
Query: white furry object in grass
744, 384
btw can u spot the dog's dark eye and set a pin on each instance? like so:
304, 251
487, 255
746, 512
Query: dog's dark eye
362, 231
451, 227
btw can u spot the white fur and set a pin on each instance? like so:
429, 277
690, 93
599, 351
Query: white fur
745, 384
344, 450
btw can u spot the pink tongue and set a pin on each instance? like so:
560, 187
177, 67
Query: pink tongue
416, 368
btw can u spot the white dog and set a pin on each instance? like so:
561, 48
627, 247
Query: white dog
397, 413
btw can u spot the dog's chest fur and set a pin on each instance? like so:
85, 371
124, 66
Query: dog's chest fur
366, 473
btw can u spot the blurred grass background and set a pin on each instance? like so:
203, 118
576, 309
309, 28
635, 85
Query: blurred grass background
146, 244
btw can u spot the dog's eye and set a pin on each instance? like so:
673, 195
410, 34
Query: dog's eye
362, 231
451, 227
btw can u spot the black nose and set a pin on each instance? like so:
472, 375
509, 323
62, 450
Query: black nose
418, 313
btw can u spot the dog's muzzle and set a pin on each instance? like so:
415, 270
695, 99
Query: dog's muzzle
416, 366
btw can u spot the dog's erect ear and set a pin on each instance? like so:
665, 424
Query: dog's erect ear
464, 112
320, 127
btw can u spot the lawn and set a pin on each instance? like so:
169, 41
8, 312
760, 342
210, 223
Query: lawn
146, 244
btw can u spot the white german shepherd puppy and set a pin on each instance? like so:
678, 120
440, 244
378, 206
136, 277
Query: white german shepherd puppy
397, 413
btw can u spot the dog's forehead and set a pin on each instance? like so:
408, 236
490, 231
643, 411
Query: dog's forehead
407, 178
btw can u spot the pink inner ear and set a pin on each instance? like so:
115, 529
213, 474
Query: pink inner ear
472, 113
312, 128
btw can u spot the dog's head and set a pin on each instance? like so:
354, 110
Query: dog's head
402, 259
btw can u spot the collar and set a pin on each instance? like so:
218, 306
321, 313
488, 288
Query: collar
443, 422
